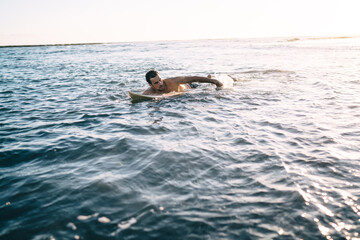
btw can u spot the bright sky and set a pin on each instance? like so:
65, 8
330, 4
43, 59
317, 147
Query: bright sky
85, 21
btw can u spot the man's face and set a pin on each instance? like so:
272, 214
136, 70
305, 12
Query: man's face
157, 84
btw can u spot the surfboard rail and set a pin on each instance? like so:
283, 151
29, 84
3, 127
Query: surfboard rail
141, 97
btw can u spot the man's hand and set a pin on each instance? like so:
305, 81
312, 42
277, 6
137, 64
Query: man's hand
219, 85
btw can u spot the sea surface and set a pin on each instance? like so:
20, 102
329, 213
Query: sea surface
276, 157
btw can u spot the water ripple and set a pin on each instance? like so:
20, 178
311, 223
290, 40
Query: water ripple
273, 158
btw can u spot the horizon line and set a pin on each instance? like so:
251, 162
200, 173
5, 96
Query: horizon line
290, 39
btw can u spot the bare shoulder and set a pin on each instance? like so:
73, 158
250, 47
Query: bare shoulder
148, 91
175, 80
172, 84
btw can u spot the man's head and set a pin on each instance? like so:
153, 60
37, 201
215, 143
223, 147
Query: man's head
154, 80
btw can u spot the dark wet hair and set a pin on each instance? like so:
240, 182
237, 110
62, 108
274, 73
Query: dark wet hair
151, 74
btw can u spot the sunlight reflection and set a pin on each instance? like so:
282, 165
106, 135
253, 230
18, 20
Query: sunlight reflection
336, 224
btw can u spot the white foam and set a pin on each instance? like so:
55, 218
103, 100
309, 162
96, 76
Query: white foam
227, 81
84, 218
72, 226
104, 220
125, 225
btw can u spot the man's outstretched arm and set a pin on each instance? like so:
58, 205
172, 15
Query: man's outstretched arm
191, 79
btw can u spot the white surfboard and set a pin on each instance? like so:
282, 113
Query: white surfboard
141, 97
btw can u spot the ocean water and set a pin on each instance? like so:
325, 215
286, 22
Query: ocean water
276, 157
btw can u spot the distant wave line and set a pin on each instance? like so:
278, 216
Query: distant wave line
321, 38
50, 45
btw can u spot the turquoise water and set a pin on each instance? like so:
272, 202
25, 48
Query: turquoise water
276, 157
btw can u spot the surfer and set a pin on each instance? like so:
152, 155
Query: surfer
175, 84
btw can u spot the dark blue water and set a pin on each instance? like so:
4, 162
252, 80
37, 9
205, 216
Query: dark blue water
276, 157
